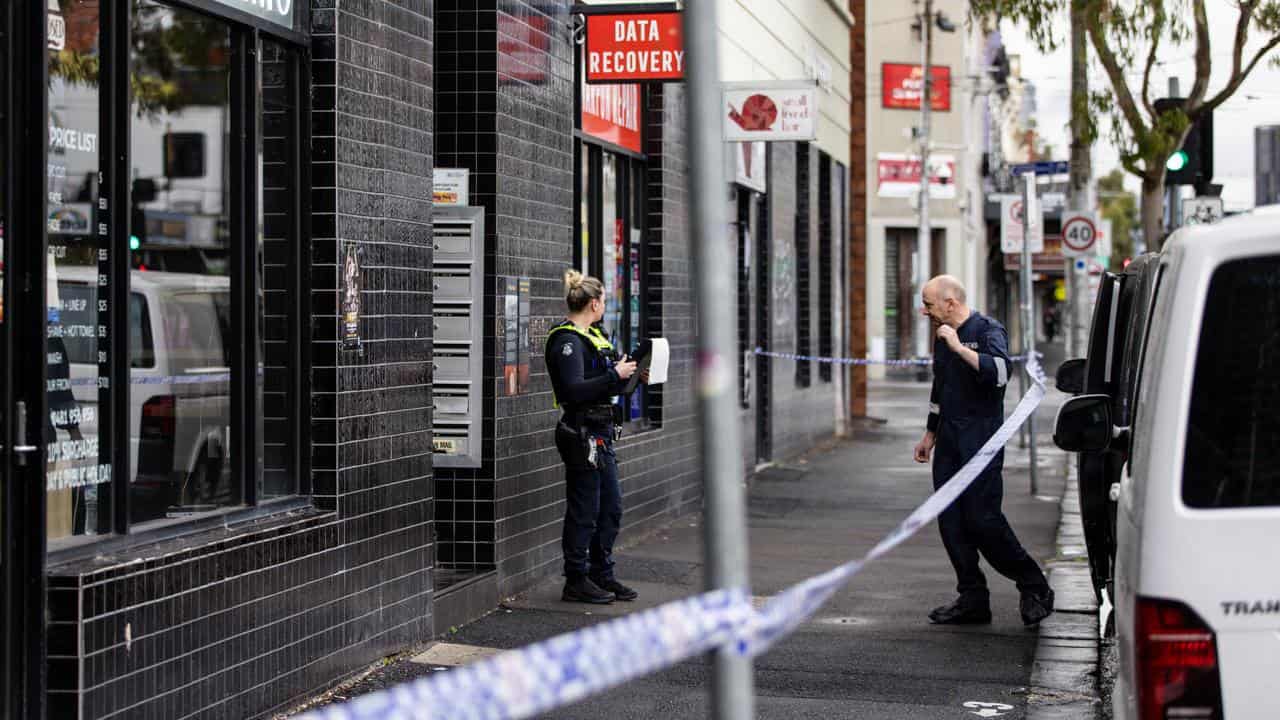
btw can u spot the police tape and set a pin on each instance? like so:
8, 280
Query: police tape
160, 379
909, 362
531, 680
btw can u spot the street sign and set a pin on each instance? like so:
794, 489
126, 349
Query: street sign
1011, 227
1079, 234
1201, 211
1043, 167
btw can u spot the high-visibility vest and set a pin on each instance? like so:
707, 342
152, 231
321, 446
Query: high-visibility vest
593, 336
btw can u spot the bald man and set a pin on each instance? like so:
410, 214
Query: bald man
970, 370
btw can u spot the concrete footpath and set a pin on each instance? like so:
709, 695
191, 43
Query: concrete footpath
870, 653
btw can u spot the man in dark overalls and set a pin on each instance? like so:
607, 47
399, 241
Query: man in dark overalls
970, 370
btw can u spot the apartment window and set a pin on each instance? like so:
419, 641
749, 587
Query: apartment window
197, 407
804, 300
826, 266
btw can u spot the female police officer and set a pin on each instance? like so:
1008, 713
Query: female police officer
585, 375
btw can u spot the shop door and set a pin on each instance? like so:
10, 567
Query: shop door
22, 145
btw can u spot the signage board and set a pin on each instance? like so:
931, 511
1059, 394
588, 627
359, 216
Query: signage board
279, 12
1080, 234
612, 113
634, 46
1011, 217
902, 85
1047, 262
770, 113
1042, 167
57, 30
1201, 210
898, 176
449, 186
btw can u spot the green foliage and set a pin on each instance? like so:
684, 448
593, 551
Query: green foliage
1121, 208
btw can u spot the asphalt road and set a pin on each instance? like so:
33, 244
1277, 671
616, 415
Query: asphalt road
870, 653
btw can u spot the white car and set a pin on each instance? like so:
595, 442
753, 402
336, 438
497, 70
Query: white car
179, 392
1197, 581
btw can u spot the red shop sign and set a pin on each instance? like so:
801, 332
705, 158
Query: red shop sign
902, 85
627, 48
612, 113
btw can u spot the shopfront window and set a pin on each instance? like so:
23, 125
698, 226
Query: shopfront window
610, 219
204, 258
179, 121
78, 470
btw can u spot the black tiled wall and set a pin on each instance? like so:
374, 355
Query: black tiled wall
239, 621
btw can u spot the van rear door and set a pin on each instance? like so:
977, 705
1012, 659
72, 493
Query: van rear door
1230, 485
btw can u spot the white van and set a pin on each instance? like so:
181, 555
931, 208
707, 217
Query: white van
1197, 578
179, 393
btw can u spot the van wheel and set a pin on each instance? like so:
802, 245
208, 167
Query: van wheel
203, 481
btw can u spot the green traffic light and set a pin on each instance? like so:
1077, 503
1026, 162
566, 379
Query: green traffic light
134, 242
1177, 161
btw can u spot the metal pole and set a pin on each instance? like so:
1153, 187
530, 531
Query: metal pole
725, 547
1030, 209
924, 237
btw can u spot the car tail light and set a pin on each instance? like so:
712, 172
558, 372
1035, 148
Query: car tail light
1177, 663
157, 416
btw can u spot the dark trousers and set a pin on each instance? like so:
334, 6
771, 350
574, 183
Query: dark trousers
974, 524
594, 508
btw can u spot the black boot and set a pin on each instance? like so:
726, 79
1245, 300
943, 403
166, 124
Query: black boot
1036, 606
583, 590
620, 591
961, 612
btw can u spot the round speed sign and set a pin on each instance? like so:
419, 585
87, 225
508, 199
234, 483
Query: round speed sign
1079, 235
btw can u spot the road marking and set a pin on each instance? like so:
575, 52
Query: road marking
986, 709
453, 654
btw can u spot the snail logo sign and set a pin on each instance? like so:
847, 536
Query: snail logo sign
762, 113
632, 47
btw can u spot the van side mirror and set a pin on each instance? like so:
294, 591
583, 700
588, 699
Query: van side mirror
1070, 376
1083, 424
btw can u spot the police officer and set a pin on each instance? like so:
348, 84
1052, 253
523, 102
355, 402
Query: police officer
585, 375
970, 370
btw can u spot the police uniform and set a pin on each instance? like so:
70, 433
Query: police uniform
584, 380
966, 408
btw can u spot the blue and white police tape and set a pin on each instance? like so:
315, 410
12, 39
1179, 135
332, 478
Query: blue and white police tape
161, 379
527, 681
909, 362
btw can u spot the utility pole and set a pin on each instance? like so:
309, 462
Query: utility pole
1031, 216
924, 238
1080, 195
720, 442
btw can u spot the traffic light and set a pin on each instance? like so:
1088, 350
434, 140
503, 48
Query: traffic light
1191, 164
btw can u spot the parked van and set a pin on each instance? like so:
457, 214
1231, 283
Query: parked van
179, 391
1197, 583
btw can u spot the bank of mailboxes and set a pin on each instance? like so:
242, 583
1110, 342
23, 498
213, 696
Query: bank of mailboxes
458, 321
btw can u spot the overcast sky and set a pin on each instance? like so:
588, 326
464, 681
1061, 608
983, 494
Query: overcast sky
1257, 102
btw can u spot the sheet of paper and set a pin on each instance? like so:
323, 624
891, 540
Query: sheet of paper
659, 360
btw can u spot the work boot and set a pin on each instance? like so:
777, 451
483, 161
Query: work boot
583, 590
961, 612
1036, 606
620, 591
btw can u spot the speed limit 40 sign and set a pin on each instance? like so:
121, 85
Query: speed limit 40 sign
1080, 235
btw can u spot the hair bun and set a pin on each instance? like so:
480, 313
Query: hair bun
572, 280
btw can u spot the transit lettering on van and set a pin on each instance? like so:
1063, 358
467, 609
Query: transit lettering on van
1257, 607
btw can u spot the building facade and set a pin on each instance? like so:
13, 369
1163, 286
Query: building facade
894, 85
274, 400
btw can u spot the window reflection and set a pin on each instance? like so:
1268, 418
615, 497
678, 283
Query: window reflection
180, 330
78, 333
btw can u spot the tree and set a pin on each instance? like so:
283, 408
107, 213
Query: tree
1121, 208
1130, 34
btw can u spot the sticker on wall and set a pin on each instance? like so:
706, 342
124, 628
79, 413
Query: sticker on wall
510, 338
351, 287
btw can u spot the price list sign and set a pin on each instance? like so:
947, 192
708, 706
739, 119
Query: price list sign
77, 268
